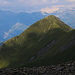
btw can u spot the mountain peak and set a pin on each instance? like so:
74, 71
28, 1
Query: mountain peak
50, 16
33, 42
52, 22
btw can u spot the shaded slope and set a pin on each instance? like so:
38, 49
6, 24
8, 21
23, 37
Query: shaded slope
63, 50
18, 50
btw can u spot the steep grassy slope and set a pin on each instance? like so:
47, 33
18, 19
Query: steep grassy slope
63, 50
34, 44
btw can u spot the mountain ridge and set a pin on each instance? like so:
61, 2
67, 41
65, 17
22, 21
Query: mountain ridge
18, 50
9, 19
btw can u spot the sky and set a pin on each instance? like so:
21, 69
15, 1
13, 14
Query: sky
29, 6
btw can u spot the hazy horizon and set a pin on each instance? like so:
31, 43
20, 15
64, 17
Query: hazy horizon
48, 6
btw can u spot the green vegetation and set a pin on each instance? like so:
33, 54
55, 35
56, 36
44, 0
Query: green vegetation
54, 55
43, 43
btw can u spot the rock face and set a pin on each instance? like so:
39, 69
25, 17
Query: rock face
60, 69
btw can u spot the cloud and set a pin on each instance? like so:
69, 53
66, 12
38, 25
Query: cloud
27, 2
51, 10
37, 2
71, 0
30, 3
33, 5
25, 5
4, 3
17, 26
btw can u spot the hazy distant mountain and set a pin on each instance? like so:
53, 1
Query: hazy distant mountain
1, 42
8, 21
43, 43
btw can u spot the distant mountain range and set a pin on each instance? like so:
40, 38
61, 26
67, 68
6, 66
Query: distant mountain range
12, 24
1, 43
19, 21
48, 41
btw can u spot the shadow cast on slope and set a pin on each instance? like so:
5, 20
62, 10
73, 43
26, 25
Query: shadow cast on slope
19, 53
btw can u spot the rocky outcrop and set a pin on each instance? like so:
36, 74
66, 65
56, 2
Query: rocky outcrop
60, 69
42, 50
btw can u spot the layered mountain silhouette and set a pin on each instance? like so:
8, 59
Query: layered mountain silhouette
9, 20
48, 41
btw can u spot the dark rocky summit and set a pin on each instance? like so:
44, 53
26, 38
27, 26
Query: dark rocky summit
60, 69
